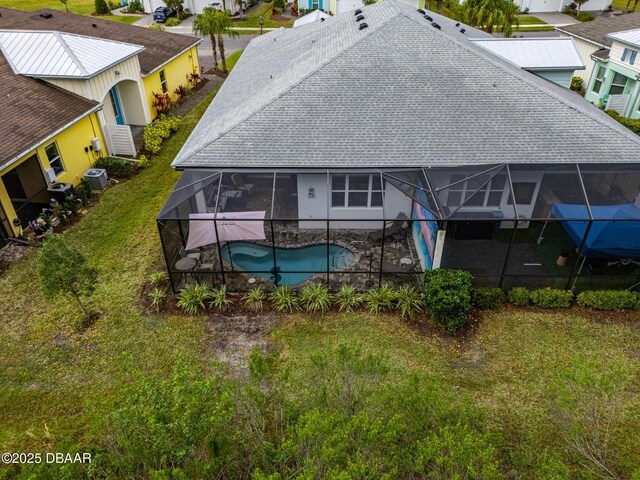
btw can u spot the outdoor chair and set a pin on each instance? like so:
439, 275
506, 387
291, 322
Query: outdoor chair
389, 230
238, 182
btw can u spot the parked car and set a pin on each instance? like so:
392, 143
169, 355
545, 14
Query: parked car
161, 14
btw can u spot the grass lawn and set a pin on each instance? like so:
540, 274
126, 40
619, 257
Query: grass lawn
534, 29
82, 7
530, 20
232, 60
263, 10
51, 373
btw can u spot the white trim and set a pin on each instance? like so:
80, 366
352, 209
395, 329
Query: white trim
49, 137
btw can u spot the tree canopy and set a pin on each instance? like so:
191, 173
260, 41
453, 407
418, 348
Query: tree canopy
492, 15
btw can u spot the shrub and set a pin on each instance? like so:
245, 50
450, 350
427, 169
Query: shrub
315, 298
585, 17
577, 84
161, 101
519, 296
157, 296
487, 297
192, 297
181, 91
552, 298
101, 7
447, 295
135, 6
220, 299
283, 299
143, 162
172, 22
633, 125
83, 191
113, 5
409, 302
380, 299
156, 26
158, 277
254, 298
278, 5
609, 299
157, 132
347, 298
115, 167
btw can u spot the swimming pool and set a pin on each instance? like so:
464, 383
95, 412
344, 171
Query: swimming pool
311, 259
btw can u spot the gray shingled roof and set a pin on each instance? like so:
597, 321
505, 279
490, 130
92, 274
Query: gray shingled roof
399, 93
596, 30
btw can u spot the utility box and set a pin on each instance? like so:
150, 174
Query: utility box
60, 191
98, 178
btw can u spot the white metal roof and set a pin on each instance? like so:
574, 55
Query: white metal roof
631, 37
61, 55
535, 53
314, 16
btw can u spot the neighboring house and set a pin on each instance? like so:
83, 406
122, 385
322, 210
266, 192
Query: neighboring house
70, 79
315, 16
536, 6
410, 147
555, 59
197, 6
590, 37
334, 7
615, 80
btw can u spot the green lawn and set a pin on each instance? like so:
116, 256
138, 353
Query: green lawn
232, 60
534, 29
82, 7
265, 11
530, 20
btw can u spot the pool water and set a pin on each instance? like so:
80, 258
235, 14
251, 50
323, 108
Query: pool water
295, 265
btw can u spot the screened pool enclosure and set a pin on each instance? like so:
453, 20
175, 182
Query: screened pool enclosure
568, 226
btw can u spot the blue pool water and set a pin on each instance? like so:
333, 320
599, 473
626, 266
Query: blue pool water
258, 259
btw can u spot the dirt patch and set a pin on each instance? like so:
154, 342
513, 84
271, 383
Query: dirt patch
233, 338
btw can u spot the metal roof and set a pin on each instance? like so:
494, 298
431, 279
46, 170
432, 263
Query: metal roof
630, 37
536, 53
45, 54
401, 92
314, 16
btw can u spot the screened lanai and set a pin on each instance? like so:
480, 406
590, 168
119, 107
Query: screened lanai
569, 226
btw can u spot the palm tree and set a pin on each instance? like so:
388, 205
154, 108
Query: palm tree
489, 14
240, 3
222, 25
205, 23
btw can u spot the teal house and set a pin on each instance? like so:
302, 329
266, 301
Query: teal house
615, 79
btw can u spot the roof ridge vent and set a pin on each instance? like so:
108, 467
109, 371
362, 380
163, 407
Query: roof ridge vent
359, 18
427, 17
435, 25
362, 26
357, 12
46, 16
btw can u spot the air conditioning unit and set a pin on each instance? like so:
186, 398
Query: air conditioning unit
50, 175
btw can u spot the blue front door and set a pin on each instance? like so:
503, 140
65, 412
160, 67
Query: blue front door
115, 103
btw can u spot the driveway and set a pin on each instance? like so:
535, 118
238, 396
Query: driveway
556, 19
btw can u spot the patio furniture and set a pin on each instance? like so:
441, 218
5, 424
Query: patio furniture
393, 229
238, 182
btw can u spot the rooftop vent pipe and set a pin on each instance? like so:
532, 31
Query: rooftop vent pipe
357, 12
435, 25
421, 11
458, 24
427, 17
46, 16
462, 30
359, 18
362, 26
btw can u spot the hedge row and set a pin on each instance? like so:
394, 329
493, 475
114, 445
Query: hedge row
485, 298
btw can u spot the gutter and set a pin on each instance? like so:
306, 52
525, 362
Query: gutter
49, 137
144, 75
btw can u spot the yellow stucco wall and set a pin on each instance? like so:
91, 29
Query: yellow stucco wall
71, 143
176, 73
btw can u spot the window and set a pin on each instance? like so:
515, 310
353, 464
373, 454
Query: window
523, 192
629, 56
617, 84
163, 81
54, 158
474, 194
597, 84
356, 191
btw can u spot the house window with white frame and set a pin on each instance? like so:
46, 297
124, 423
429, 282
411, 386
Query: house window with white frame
476, 192
618, 84
597, 84
163, 81
363, 191
55, 160
629, 56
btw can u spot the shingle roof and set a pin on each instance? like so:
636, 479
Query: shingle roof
32, 110
398, 93
61, 55
535, 53
160, 47
596, 30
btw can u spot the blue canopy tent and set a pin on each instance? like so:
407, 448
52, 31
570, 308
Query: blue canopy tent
614, 233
